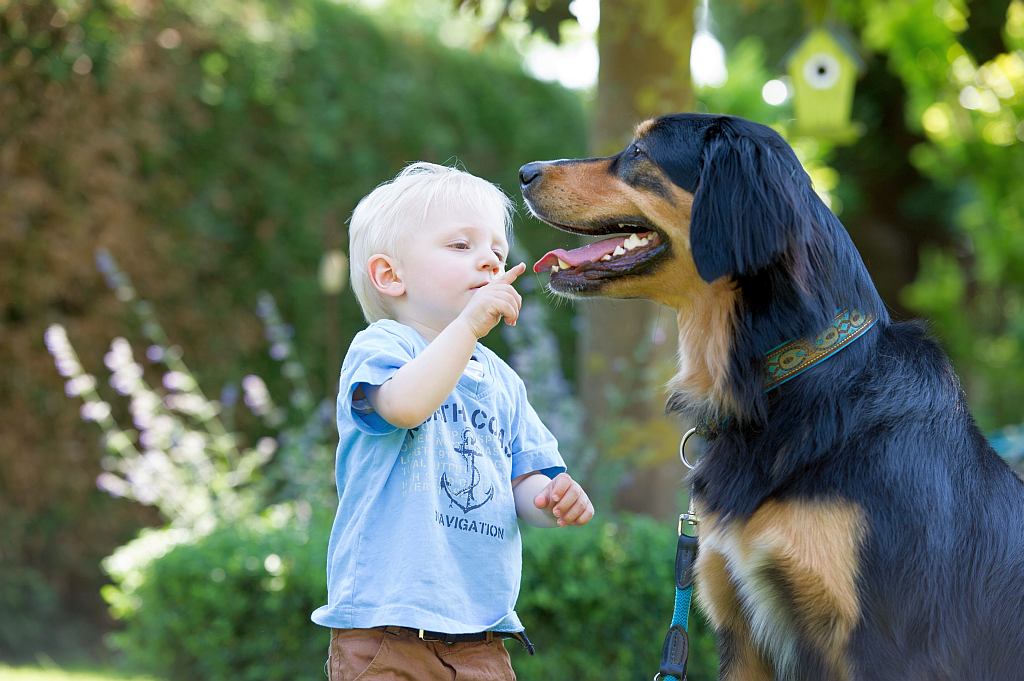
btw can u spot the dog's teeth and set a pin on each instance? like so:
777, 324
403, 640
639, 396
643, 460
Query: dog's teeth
631, 243
642, 242
554, 268
563, 264
606, 257
619, 250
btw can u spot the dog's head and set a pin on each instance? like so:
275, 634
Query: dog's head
693, 198
712, 215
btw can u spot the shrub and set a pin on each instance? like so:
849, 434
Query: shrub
236, 603
598, 600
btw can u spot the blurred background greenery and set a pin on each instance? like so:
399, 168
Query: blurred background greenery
179, 175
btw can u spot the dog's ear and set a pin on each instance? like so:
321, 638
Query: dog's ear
749, 206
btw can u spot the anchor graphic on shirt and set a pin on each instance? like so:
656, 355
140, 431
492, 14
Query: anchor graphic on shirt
466, 450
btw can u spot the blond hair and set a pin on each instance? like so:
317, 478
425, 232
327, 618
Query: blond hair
396, 207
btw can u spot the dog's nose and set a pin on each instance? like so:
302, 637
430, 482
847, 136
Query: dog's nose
530, 172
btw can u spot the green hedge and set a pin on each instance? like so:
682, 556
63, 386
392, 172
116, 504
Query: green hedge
232, 606
304, 124
598, 600
235, 605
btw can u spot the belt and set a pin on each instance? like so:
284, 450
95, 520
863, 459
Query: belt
450, 639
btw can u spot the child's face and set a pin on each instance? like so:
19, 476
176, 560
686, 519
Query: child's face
456, 252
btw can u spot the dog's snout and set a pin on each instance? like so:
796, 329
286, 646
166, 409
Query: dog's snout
530, 172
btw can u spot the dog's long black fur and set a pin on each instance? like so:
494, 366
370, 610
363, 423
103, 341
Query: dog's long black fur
882, 425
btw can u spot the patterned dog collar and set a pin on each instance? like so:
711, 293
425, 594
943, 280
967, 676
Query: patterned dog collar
796, 356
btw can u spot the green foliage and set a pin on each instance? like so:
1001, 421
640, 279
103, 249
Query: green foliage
970, 108
306, 120
23, 590
598, 600
235, 604
740, 94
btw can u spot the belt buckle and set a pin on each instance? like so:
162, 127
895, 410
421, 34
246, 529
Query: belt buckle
434, 637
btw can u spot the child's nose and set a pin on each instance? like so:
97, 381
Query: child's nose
492, 263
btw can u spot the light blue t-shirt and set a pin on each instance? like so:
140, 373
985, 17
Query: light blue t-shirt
426, 534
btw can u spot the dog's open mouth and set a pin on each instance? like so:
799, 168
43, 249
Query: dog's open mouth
633, 251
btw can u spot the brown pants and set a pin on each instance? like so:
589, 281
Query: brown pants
396, 654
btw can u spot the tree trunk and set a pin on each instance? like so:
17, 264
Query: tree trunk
628, 347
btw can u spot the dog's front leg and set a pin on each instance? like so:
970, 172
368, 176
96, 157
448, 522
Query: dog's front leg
781, 590
739, 658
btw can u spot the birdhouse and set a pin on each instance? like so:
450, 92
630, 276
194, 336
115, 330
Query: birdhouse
823, 67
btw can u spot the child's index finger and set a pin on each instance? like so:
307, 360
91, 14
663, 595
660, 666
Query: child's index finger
511, 275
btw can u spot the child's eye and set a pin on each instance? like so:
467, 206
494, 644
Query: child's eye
501, 256
461, 245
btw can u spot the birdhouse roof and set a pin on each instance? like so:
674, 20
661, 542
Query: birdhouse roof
844, 40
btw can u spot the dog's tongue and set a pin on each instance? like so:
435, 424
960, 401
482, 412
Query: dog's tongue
577, 256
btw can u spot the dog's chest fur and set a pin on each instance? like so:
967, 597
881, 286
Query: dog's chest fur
782, 584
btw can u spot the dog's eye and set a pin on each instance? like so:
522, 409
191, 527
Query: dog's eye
636, 151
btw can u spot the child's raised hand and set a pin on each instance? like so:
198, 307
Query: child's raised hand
566, 500
493, 302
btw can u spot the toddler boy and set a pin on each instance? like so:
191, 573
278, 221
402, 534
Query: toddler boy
438, 446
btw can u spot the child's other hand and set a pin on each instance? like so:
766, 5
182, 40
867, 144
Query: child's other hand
567, 501
493, 302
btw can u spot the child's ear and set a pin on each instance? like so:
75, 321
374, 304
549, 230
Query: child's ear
382, 273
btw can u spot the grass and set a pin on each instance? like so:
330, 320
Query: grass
54, 673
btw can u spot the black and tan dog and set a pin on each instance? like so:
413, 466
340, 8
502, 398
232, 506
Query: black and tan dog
856, 525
